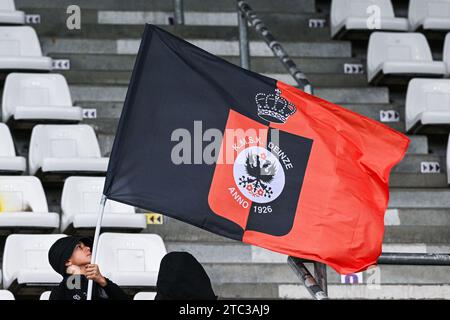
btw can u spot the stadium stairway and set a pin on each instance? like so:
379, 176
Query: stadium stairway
102, 55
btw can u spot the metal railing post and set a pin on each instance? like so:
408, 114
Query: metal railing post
179, 12
244, 52
320, 274
308, 280
274, 45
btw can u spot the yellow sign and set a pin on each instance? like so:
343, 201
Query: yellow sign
154, 218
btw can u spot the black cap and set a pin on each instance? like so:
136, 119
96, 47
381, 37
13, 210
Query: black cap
61, 251
182, 277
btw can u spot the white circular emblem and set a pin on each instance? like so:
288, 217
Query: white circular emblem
258, 174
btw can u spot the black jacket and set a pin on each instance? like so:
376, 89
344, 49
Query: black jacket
74, 292
182, 277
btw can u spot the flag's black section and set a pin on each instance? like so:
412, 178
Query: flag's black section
283, 207
174, 84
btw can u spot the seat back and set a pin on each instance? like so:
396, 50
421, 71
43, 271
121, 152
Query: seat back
6, 142
45, 295
7, 5
448, 160
19, 41
22, 193
34, 89
398, 47
419, 10
446, 53
145, 296
83, 194
343, 9
6, 295
426, 95
130, 253
26, 252
62, 141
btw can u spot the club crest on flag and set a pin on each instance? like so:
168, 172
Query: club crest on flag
258, 174
274, 108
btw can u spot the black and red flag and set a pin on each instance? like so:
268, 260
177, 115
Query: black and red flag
291, 172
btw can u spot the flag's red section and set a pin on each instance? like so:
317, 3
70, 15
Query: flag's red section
340, 214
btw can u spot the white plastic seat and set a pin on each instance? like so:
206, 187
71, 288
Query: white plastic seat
20, 50
45, 295
448, 160
9, 14
145, 296
446, 54
65, 148
348, 15
9, 162
429, 15
131, 260
6, 295
23, 204
25, 260
33, 96
427, 102
401, 54
80, 203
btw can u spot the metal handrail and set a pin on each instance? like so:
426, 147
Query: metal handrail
245, 13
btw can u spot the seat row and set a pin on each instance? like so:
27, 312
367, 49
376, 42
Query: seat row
23, 206
130, 260
8, 295
54, 149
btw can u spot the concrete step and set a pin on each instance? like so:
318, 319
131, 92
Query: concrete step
115, 62
82, 93
198, 25
322, 49
102, 77
411, 163
403, 198
235, 253
418, 180
335, 291
282, 273
399, 229
283, 6
325, 80
419, 217
418, 144
385, 292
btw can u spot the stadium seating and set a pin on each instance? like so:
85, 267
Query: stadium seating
9, 14
427, 103
6, 295
131, 260
446, 54
448, 160
23, 204
404, 55
9, 162
353, 15
20, 50
80, 203
25, 261
45, 295
31, 96
144, 296
65, 149
429, 15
